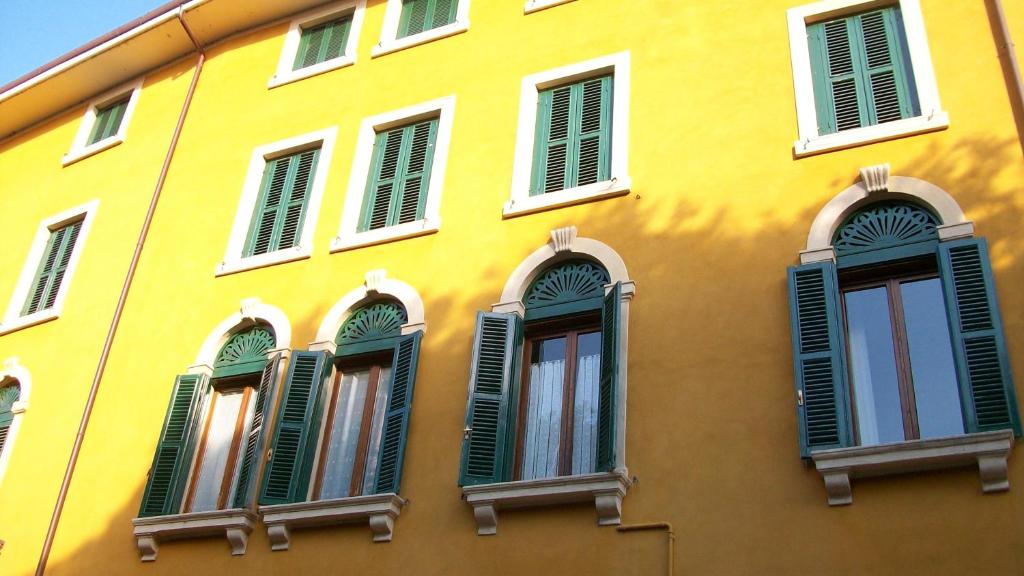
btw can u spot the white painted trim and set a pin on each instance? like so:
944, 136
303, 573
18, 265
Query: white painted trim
235, 525
988, 450
251, 311
538, 5
521, 202
233, 260
819, 240
389, 42
13, 319
378, 510
348, 236
377, 285
13, 370
285, 74
79, 147
810, 141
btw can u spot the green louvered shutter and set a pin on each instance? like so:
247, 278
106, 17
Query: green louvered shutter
819, 358
573, 136
396, 192
281, 207
8, 396
254, 441
609, 384
48, 278
108, 121
169, 472
287, 474
322, 42
862, 74
421, 15
396, 420
986, 386
489, 427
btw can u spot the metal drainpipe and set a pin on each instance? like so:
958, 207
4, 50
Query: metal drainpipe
667, 527
1011, 56
77, 447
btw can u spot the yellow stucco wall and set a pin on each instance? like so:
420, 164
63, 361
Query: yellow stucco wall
718, 209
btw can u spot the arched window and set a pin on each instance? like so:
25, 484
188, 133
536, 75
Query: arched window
10, 392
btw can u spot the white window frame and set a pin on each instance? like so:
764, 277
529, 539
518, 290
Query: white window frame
234, 261
285, 74
13, 370
618, 184
389, 42
932, 116
537, 5
348, 235
80, 148
13, 320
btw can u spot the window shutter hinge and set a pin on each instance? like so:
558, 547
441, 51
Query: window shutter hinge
799, 397
270, 454
466, 433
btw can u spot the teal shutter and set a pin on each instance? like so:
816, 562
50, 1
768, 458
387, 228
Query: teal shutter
281, 207
254, 441
322, 42
169, 472
861, 70
293, 448
976, 328
108, 121
573, 136
8, 396
609, 384
486, 445
396, 420
422, 15
48, 278
396, 192
819, 358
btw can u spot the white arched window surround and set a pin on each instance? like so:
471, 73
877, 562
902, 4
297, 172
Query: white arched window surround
13, 370
877, 184
376, 284
251, 312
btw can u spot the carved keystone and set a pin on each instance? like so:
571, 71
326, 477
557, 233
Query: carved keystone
248, 307
373, 280
876, 178
562, 238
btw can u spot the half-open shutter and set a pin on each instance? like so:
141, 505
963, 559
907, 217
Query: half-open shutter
169, 472
396, 420
286, 478
485, 444
983, 370
819, 358
254, 441
609, 385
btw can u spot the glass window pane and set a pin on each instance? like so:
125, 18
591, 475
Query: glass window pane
380, 405
544, 409
873, 367
931, 359
226, 406
584, 425
344, 440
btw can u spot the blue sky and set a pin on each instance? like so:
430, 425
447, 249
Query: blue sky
37, 31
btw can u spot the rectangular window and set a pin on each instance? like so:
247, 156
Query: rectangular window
280, 210
221, 445
108, 120
422, 15
573, 138
396, 192
52, 268
322, 42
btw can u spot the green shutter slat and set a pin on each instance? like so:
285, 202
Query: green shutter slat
414, 17
573, 136
594, 149
609, 383
293, 448
334, 46
255, 439
50, 274
976, 328
485, 448
322, 42
4, 429
108, 121
819, 358
396, 420
281, 207
169, 471
396, 191
443, 12
294, 210
416, 173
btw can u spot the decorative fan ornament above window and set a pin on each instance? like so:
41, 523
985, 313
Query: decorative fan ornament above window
885, 225
373, 322
244, 352
572, 286
9, 394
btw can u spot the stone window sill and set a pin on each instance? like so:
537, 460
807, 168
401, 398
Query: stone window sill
605, 489
235, 524
396, 44
522, 203
871, 134
309, 71
283, 256
95, 148
380, 510
537, 5
350, 241
988, 450
21, 322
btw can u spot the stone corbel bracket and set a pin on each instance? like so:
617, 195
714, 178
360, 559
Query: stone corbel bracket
605, 489
235, 525
988, 451
379, 510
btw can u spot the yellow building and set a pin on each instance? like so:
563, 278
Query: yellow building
516, 287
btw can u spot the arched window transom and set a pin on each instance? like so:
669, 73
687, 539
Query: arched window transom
373, 322
244, 352
570, 282
885, 225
